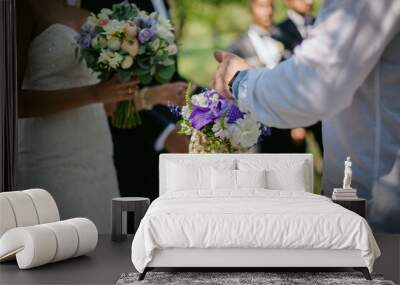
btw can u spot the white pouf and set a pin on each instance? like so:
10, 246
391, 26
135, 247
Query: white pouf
7, 220
45, 205
31, 232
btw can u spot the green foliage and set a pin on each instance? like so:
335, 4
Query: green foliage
187, 97
185, 128
124, 11
124, 75
164, 73
216, 144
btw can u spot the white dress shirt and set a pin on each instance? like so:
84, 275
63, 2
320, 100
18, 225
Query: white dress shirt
347, 74
269, 51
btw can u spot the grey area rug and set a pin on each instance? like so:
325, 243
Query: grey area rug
243, 278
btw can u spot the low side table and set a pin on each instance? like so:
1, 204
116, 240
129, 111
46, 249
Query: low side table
137, 205
358, 206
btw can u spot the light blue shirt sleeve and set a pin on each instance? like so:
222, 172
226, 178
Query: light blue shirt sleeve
236, 83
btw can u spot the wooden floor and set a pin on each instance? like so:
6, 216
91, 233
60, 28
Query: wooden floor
103, 266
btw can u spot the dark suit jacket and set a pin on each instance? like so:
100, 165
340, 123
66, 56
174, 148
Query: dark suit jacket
288, 34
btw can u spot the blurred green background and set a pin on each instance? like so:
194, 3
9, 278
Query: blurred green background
206, 25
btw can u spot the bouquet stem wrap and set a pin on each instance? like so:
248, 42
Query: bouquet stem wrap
200, 144
126, 115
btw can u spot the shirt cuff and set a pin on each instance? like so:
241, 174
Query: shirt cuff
159, 145
236, 83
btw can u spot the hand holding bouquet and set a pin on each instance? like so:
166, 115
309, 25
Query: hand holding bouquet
218, 125
126, 42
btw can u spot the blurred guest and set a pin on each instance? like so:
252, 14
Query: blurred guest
259, 48
257, 45
291, 32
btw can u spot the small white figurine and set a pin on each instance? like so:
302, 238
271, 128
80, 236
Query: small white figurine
347, 174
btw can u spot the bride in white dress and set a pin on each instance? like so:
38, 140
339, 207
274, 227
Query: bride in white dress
65, 144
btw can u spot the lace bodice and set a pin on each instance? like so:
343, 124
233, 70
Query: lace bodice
53, 61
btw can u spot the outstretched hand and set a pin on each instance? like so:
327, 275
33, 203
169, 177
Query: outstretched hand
228, 65
166, 94
113, 91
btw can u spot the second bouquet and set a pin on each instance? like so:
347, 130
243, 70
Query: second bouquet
126, 42
216, 124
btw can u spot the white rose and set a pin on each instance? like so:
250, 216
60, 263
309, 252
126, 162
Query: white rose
245, 132
102, 42
164, 22
172, 49
92, 20
112, 59
114, 43
215, 97
104, 13
185, 112
99, 42
200, 100
95, 42
165, 34
131, 47
127, 62
155, 44
223, 133
104, 57
115, 60
114, 26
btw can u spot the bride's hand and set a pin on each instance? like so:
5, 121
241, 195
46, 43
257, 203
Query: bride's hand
113, 91
165, 94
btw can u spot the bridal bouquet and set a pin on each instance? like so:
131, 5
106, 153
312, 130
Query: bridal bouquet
218, 125
126, 42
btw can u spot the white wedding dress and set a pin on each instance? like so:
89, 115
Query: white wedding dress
68, 153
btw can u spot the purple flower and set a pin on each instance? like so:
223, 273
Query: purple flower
202, 116
265, 132
174, 109
146, 35
85, 40
234, 114
86, 35
143, 22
